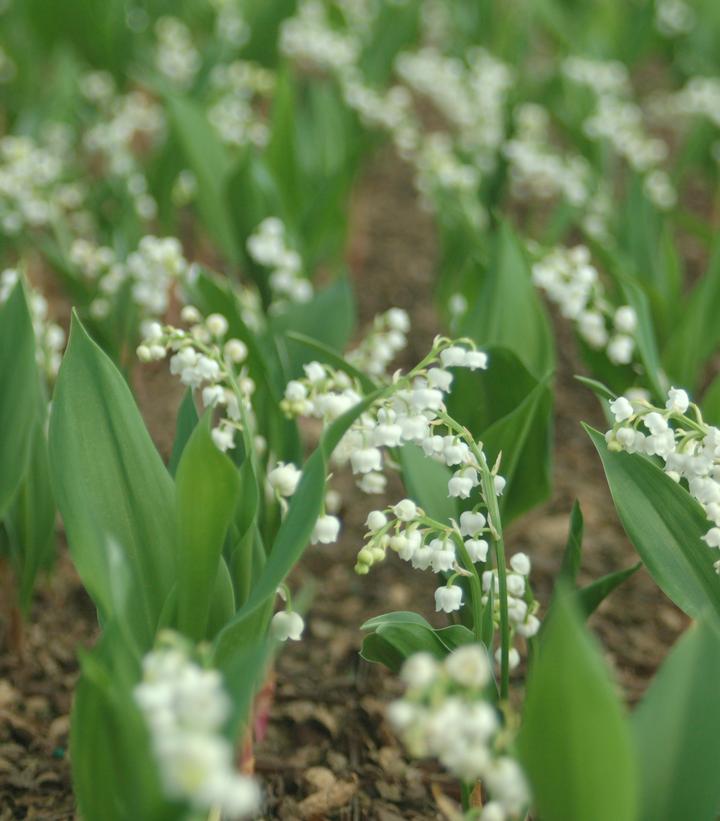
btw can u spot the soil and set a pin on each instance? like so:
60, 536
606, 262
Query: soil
328, 752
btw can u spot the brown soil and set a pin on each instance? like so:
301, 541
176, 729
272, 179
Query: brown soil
328, 752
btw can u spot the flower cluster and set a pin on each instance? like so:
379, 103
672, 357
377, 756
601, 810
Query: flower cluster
34, 186
152, 269
186, 709
674, 17
127, 125
49, 337
379, 347
203, 358
445, 713
688, 447
522, 605
176, 57
230, 25
471, 95
390, 111
236, 89
619, 121
569, 279
407, 415
700, 97
309, 37
269, 247
536, 169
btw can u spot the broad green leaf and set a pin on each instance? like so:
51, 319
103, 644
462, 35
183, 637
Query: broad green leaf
509, 411
329, 318
711, 402
677, 731
19, 392
697, 331
398, 617
455, 635
281, 150
572, 556
392, 644
575, 742
377, 650
207, 158
665, 524
222, 600
427, 483
187, 419
30, 522
206, 490
508, 312
110, 483
645, 337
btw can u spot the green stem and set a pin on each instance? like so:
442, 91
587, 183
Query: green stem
466, 795
496, 534
475, 586
499, 543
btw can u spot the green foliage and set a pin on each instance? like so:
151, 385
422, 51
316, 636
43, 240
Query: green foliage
206, 492
665, 525
20, 401
507, 312
575, 741
677, 731
396, 636
111, 485
507, 409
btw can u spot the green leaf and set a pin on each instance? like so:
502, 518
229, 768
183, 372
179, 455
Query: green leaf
677, 731
508, 312
376, 650
711, 402
398, 617
292, 538
665, 524
19, 393
455, 635
187, 419
426, 482
207, 158
329, 318
30, 521
281, 151
645, 337
575, 742
222, 601
110, 483
116, 781
206, 490
697, 331
509, 411
592, 596
600, 390
572, 556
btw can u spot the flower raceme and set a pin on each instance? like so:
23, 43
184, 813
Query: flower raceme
688, 447
444, 713
412, 410
186, 709
204, 359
